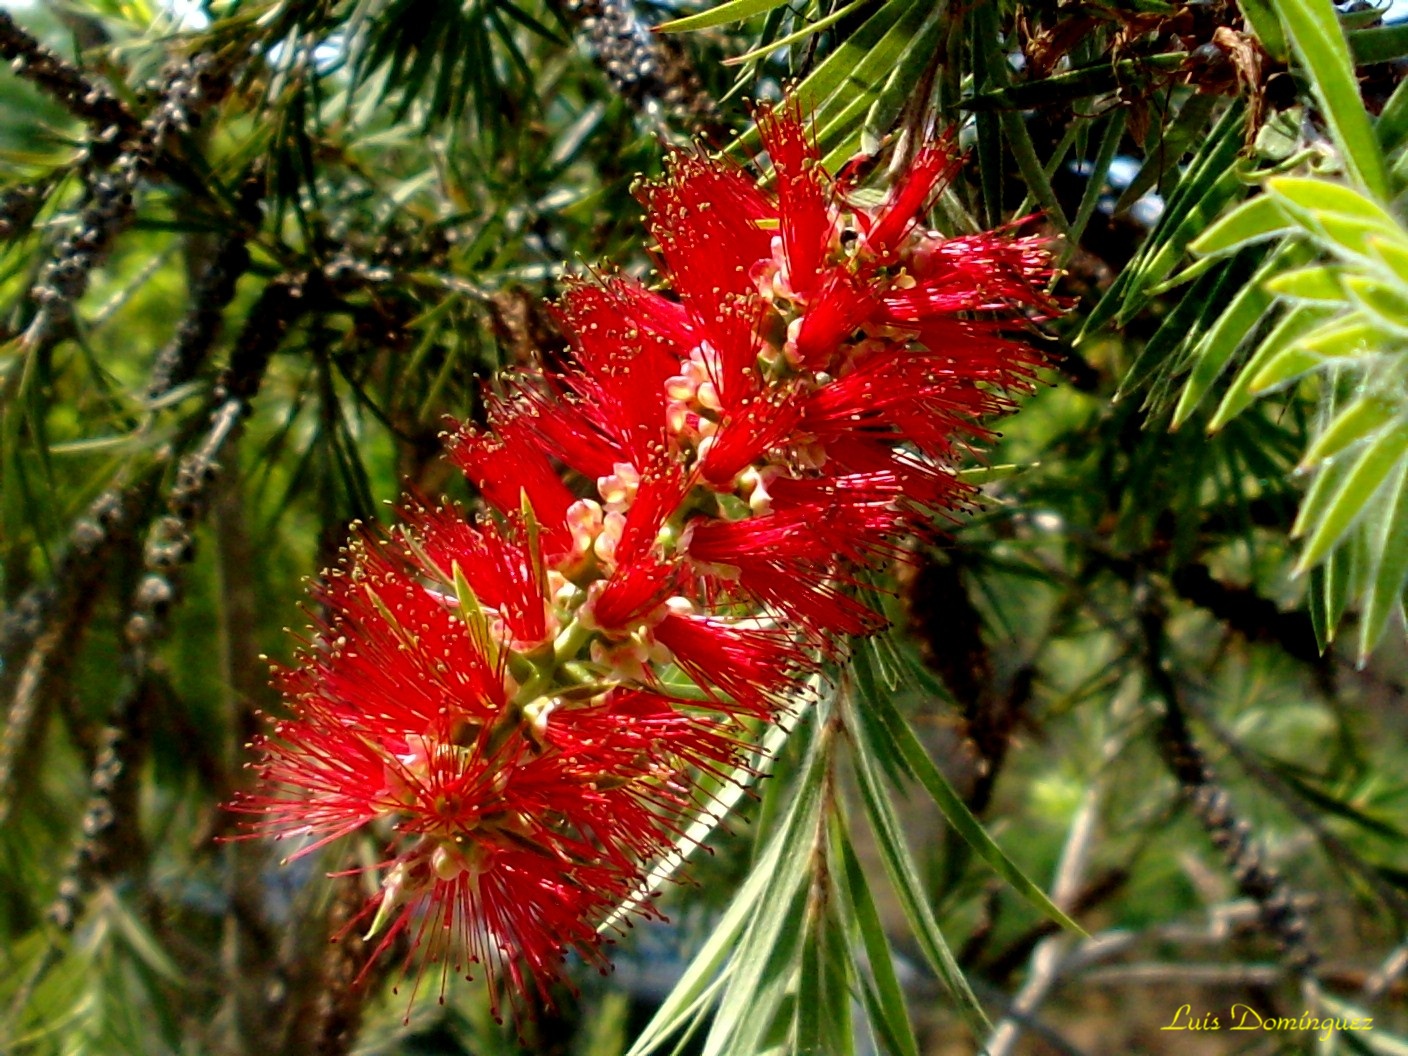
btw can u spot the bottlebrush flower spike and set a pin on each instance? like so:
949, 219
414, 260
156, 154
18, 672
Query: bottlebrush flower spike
518, 706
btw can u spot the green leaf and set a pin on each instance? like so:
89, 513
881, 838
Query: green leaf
1392, 254
1187, 319
1316, 37
1095, 180
861, 64
1383, 303
1234, 322
1387, 579
722, 15
1344, 337
1014, 125
1348, 223
1378, 44
1083, 83
1337, 499
1201, 194
1267, 27
779, 868
1319, 284
1253, 221
904, 878
1318, 592
1368, 414
806, 31
1300, 320
1392, 124
889, 1014
767, 956
1192, 120
960, 817
881, 115
822, 1023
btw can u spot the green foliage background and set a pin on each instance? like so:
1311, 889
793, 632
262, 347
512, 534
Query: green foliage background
251, 253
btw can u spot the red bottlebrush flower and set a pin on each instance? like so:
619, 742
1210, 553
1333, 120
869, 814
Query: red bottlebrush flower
752, 670
806, 225
908, 199
498, 563
841, 306
747, 432
507, 466
499, 699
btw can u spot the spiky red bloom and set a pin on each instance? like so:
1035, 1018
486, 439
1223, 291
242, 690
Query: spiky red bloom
519, 705
514, 827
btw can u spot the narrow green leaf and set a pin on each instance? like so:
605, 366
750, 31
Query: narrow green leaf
1205, 188
890, 1015
961, 818
1347, 221
1014, 125
1379, 44
861, 64
1385, 304
711, 968
1185, 320
1082, 83
1253, 221
722, 15
1095, 179
1266, 26
806, 31
1315, 34
899, 85
1344, 337
1330, 509
1318, 195
1318, 591
1319, 284
1300, 320
1234, 322
765, 962
1172, 246
764, 968
1384, 596
1392, 124
822, 1021
1366, 415
1392, 254
904, 878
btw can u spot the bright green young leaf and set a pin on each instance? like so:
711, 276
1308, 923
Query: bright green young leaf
1383, 303
1318, 284
1298, 321
1254, 221
721, 15
1314, 29
1337, 499
1389, 577
1234, 322
1343, 338
1322, 197
1363, 417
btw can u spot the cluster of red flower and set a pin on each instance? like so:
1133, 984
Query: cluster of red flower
521, 702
